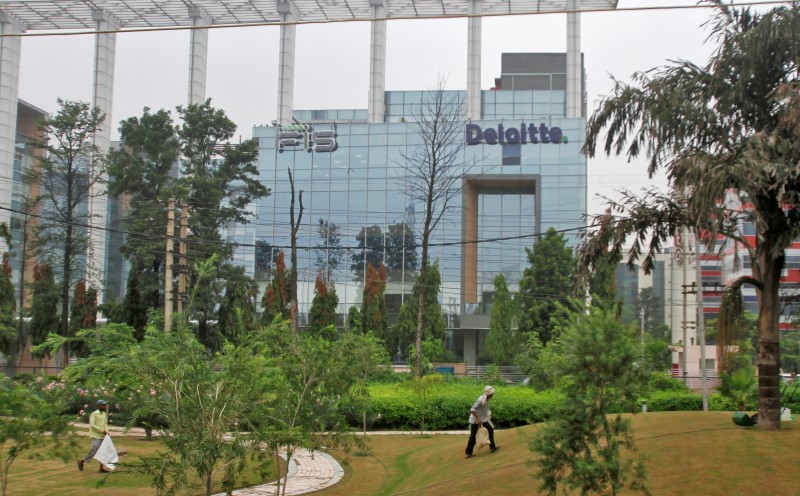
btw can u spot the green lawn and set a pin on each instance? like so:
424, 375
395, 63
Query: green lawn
687, 453
30, 477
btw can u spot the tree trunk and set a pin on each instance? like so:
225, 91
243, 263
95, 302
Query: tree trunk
67, 275
769, 350
420, 311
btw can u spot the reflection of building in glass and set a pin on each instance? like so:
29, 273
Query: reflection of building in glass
530, 176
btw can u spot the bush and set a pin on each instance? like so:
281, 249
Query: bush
665, 381
446, 406
674, 401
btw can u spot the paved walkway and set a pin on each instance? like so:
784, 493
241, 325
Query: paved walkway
307, 471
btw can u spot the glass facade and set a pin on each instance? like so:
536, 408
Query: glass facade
521, 186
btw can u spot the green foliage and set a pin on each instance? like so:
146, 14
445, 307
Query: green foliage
447, 404
674, 401
237, 313
322, 316
8, 305
353, 319
374, 314
582, 448
367, 356
503, 341
740, 386
31, 417
542, 363
276, 297
71, 170
665, 381
656, 354
44, 305
680, 116
141, 171
432, 319
546, 285
83, 315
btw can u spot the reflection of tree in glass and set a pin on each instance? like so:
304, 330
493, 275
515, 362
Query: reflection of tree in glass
369, 251
330, 253
401, 250
265, 255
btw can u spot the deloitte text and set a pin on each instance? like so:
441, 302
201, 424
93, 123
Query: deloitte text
512, 135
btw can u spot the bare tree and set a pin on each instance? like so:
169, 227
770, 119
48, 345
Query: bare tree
433, 172
295, 225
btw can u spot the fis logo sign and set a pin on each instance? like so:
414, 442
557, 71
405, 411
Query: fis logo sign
512, 135
312, 138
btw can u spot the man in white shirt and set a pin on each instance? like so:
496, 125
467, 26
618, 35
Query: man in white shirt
481, 416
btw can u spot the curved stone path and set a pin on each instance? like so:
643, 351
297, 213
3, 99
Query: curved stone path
307, 472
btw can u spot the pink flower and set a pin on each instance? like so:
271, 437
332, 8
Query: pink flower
81, 413
152, 392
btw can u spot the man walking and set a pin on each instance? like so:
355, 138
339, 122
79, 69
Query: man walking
98, 428
481, 416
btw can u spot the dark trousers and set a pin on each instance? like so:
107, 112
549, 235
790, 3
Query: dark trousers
473, 431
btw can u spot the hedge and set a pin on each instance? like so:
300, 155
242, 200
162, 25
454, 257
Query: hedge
446, 406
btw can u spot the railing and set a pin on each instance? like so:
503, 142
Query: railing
695, 382
511, 374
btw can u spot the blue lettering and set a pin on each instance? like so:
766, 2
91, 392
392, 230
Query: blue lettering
474, 134
490, 136
512, 135
500, 134
544, 136
556, 135
532, 133
524, 132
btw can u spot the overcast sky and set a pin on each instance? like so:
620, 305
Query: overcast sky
332, 65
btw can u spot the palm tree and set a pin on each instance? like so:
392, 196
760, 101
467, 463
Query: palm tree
728, 136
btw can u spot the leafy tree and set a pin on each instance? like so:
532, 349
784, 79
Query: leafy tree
322, 316
32, 417
367, 355
369, 251
656, 353
237, 313
84, 314
546, 285
353, 319
542, 363
582, 448
503, 342
142, 171
8, 328
374, 316
401, 250
69, 170
426, 290
330, 254
650, 310
44, 305
313, 374
276, 297
726, 134
218, 183
433, 173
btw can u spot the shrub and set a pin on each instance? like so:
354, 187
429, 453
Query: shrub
665, 381
674, 401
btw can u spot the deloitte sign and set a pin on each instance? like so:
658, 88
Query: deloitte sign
511, 135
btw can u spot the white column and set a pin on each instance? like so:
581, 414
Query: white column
377, 62
198, 56
574, 69
105, 44
10, 48
288, 13
474, 61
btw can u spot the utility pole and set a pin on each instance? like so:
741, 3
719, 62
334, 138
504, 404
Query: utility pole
182, 256
168, 267
701, 332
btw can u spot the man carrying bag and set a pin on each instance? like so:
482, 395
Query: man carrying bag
480, 417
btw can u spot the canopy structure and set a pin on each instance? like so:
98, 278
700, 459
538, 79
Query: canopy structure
107, 18
78, 14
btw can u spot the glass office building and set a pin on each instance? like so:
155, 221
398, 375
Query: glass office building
528, 175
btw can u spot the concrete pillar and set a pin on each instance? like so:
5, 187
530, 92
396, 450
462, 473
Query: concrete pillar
105, 44
288, 13
574, 69
10, 48
198, 56
474, 61
377, 62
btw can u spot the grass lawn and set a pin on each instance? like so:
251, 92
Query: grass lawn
687, 453
51, 477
